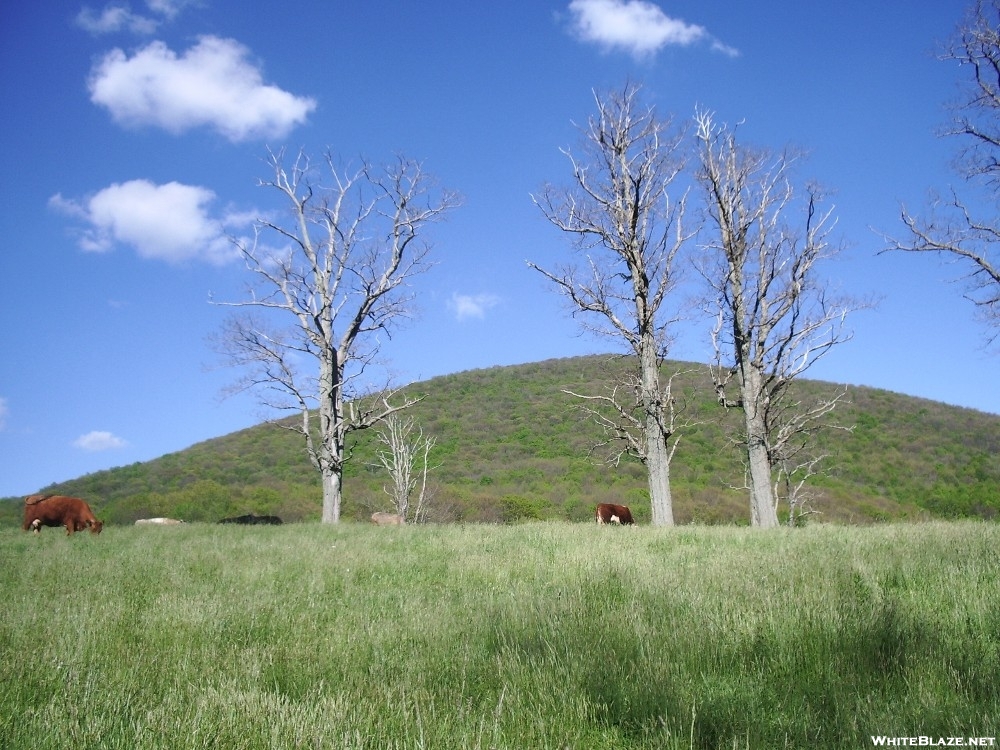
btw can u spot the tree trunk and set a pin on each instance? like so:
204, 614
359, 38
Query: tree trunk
658, 468
762, 511
657, 451
331, 496
331, 417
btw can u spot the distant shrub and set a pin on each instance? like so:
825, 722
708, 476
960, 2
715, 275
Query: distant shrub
514, 508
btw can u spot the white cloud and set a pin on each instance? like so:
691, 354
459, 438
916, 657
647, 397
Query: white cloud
725, 49
118, 16
639, 27
212, 84
472, 305
99, 440
115, 18
168, 222
167, 8
4, 411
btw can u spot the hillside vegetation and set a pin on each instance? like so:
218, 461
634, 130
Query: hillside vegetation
512, 446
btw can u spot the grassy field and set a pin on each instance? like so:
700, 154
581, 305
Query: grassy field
545, 635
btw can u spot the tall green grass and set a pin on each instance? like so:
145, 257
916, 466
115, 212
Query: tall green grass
535, 636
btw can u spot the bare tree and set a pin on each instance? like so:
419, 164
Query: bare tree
775, 317
626, 223
952, 226
405, 455
791, 482
330, 281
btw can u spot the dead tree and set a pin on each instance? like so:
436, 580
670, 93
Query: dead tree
331, 282
951, 226
775, 317
625, 215
791, 482
405, 456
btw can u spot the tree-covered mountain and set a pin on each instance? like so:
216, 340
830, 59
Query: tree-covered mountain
512, 445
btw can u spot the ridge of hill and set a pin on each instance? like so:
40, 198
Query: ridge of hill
511, 445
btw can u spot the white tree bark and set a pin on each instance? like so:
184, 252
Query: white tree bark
328, 283
332, 490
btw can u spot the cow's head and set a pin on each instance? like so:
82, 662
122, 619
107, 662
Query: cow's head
95, 526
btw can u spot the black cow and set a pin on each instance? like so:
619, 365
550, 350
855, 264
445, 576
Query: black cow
251, 520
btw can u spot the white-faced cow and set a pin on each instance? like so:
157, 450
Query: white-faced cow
387, 519
611, 513
59, 510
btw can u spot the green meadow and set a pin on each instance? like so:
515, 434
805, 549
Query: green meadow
538, 635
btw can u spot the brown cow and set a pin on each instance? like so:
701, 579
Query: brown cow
610, 513
59, 510
387, 519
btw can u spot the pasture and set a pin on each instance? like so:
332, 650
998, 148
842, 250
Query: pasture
542, 635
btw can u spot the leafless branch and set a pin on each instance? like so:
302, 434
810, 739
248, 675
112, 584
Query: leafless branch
950, 227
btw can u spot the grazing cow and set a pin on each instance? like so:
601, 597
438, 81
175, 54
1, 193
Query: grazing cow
387, 519
610, 513
251, 520
158, 522
59, 510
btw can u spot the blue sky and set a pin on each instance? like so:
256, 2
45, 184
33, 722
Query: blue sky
134, 135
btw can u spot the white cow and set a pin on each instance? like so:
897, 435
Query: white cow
387, 519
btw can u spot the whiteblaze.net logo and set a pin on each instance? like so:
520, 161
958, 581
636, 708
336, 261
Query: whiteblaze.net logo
922, 741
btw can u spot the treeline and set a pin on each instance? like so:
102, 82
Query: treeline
512, 446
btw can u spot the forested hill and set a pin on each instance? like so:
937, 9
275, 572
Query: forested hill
511, 445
